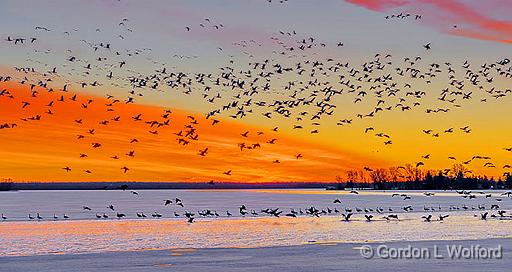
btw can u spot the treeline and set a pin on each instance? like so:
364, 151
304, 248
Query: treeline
7, 186
413, 178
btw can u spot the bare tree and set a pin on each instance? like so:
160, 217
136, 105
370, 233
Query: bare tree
379, 175
413, 173
393, 174
352, 175
362, 176
458, 170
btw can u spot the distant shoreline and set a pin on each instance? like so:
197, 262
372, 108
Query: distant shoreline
20, 186
17, 186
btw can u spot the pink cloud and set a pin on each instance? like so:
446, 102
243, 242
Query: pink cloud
443, 15
379, 5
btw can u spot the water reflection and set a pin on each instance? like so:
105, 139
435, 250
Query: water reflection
80, 236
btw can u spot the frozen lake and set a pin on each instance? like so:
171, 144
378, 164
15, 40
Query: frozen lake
84, 233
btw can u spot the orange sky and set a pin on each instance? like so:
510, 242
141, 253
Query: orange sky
474, 31
38, 150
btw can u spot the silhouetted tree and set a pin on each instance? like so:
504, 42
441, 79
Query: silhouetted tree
413, 178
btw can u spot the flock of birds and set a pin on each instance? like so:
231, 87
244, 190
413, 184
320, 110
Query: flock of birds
402, 16
294, 83
489, 211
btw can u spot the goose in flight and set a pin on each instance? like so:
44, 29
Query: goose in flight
203, 152
347, 216
442, 217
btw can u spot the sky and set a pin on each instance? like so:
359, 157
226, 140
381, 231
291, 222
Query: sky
151, 35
